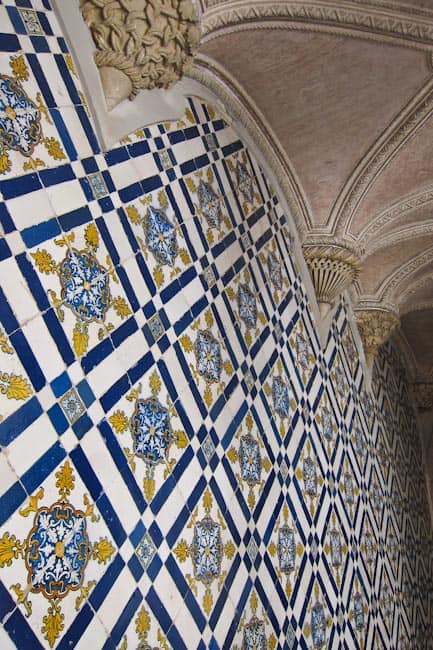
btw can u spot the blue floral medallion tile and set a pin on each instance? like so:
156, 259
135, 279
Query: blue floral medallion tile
145, 551
209, 276
20, 118
358, 610
327, 423
85, 286
249, 380
250, 460
151, 430
336, 551
55, 553
72, 405
286, 549
211, 141
165, 159
206, 550
254, 636
210, 204
161, 237
274, 269
247, 306
245, 182
318, 626
291, 638
280, 396
302, 352
349, 490
208, 356
310, 477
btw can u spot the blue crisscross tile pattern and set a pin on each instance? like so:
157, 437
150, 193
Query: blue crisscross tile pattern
239, 482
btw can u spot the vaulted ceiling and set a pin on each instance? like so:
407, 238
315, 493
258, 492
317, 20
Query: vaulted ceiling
347, 89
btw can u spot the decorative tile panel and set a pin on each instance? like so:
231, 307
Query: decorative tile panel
182, 463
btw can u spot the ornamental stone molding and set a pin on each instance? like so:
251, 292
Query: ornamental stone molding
375, 327
367, 20
333, 268
398, 133
141, 44
423, 393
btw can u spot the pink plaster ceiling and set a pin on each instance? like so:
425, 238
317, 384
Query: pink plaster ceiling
354, 116
326, 97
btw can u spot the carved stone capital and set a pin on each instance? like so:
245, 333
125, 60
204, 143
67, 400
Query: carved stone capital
423, 393
375, 327
332, 268
141, 44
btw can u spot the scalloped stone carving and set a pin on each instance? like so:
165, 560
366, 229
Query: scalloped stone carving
375, 327
141, 44
333, 268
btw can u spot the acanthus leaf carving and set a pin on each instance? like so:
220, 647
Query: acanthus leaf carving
375, 327
142, 44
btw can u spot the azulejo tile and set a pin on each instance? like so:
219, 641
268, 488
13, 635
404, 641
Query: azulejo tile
86, 287
153, 436
51, 562
249, 454
319, 622
286, 549
144, 631
97, 183
244, 180
145, 550
158, 235
277, 282
277, 390
207, 357
72, 405
31, 21
246, 306
156, 327
29, 140
210, 204
253, 629
308, 473
208, 448
209, 548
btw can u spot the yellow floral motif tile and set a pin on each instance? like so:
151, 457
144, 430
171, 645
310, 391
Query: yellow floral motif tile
160, 237
82, 286
144, 633
206, 353
254, 629
208, 548
148, 426
209, 204
15, 387
29, 140
316, 629
246, 306
249, 460
47, 550
286, 549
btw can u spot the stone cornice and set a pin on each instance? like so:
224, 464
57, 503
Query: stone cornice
392, 286
407, 204
401, 129
241, 108
368, 20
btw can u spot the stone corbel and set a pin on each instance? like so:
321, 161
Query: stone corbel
375, 327
333, 268
140, 44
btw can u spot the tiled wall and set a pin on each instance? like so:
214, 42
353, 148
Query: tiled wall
182, 464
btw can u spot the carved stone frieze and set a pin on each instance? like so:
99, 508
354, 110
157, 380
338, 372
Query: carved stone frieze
332, 268
375, 327
376, 21
423, 393
141, 44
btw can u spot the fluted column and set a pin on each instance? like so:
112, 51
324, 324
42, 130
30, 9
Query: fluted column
375, 327
333, 268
